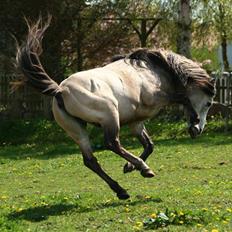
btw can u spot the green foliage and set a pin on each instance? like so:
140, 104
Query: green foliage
30, 131
204, 53
186, 218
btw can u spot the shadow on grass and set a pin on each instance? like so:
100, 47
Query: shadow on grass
40, 213
51, 150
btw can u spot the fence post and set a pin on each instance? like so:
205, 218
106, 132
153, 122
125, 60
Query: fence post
227, 83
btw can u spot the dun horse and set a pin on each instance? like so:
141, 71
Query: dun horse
129, 90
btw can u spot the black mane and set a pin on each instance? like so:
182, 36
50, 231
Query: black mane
184, 71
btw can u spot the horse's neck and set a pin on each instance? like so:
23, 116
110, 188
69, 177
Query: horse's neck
175, 94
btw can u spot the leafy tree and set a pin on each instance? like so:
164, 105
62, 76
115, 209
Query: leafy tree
215, 19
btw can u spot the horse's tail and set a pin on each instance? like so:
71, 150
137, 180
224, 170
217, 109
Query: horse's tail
28, 61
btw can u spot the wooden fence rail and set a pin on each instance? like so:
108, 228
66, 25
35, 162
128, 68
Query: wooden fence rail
224, 88
26, 103
22, 104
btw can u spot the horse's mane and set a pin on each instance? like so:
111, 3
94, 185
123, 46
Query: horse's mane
185, 71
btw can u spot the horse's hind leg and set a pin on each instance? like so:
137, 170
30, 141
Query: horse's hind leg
111, 135
140, 132
79, 135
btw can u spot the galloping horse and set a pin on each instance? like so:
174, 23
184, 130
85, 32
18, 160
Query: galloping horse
129, 90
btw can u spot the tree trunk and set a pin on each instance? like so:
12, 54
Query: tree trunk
143, 35
143, 32
223, 36
184, 28
224, 52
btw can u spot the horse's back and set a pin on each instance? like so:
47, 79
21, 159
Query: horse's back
91, 94
94, 94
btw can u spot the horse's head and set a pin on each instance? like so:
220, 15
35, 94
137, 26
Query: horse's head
200, 101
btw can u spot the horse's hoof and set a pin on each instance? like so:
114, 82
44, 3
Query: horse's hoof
123, 195
148, 173
129, 167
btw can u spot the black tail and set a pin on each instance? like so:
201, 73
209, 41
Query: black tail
29, 63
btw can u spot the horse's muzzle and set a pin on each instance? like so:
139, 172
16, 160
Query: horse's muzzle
194, 131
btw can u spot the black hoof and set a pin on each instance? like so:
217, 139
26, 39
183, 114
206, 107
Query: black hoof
128, 168
123, 195
148, 173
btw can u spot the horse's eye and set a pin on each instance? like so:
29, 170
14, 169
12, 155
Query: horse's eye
208, 104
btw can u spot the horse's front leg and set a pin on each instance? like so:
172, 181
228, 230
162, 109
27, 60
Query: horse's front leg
140, 132
111, 134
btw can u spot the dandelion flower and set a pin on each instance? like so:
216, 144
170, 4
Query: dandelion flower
3, 197
127, 210
214, 230
153, 215
139, 224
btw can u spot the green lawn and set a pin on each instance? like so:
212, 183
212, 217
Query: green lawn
44, 185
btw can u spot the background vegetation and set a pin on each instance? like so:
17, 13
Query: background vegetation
86, 33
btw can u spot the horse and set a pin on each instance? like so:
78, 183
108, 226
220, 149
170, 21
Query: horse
126, 91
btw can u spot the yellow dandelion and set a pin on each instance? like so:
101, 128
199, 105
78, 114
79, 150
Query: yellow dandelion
214, 230
139, 224
153, 215
19, 210
181, 222
3, 197
181, 213
127, 210
44, 204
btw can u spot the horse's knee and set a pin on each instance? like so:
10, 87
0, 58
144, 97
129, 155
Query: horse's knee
113, 145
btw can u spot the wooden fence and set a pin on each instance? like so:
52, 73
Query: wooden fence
21, 104
224, 88
26, 103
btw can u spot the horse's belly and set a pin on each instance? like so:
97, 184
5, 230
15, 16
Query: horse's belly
137, 114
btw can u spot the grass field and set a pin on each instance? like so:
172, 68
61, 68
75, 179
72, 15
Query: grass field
45, 187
